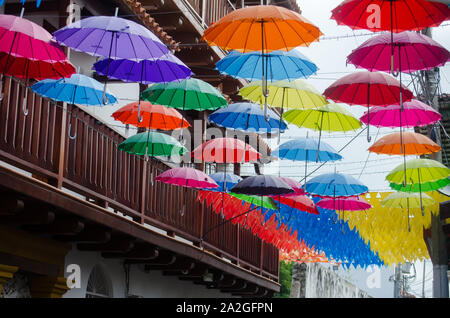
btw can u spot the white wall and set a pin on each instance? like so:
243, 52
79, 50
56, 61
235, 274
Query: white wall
142, 284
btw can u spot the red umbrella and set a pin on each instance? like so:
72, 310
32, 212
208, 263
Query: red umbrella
298, 202
395, 16
368, 89
225, 150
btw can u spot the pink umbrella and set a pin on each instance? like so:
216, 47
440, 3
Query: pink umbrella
187, 177
413, 52
294, 185
415, 113
354, 203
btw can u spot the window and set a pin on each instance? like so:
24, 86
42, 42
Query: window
98, 284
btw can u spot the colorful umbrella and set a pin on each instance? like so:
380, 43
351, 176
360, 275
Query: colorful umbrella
331, 117
298, 188
247, 117
254, 200
78, 89
225, 150
153, 116
394, 16
407, 201
262, 185
225, 181
414, 113
297, 202
355, 203
422, 175
334, 185
113, 38
248, 29
306, 149
162, 70
187, 177
368, 89
297, 94
407, 143
412, 52
189, 94
151, 143
279, 65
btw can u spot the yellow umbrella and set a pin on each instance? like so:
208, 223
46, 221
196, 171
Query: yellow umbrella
297, 94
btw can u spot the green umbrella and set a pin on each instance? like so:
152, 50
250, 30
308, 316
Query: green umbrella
421, 175
189, 94
264, 202
153, 144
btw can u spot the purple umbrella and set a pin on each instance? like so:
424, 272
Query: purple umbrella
113, 38
162, 70
412, 52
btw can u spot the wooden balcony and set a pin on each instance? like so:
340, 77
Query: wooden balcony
93, 169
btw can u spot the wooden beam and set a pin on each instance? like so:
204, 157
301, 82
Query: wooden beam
143, 251
117, 244
61, 226
180, 264
33, 216
90, 234
238, 286
10, 204
250, 290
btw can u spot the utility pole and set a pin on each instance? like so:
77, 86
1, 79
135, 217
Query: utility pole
430, 88
398, 280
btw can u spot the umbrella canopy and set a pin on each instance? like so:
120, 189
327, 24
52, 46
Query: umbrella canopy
259, 201
248, 29
298, 188
331, 117
78, 89
113, 38
225, 181
402, 200
283, 94
368, 89
189, 94
344, 204
334, 185
406, 143
298, 202
22, 38
38, 2
225, 150
422, 175
412, 52
395, 16
187, 177
24, 68
414, 113
163, 70
152, 143
263, 186
279, 65
153, 116
305, 149
247, 117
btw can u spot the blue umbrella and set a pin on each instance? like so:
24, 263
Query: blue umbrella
334, 185
306, 149
225, 181
280, 65
78, 89
247, 117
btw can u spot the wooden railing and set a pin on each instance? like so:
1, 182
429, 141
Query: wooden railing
92, 166
210, 11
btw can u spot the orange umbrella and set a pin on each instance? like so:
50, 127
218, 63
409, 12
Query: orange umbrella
153, 116
412, 144
263, 28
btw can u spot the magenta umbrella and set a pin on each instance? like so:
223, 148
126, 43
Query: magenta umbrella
368, 89
187, 177
415, 113
412, 52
